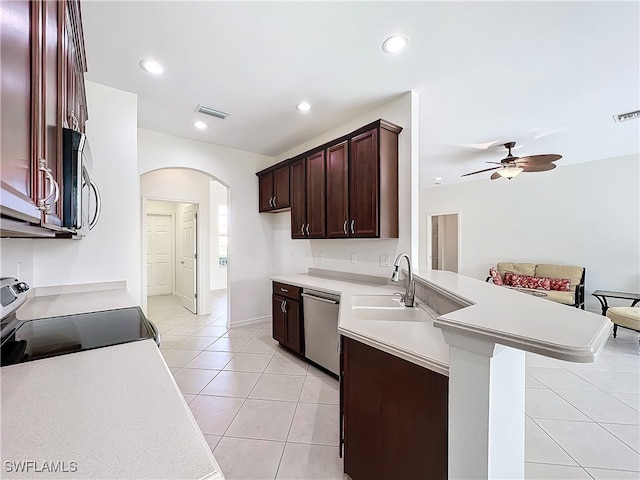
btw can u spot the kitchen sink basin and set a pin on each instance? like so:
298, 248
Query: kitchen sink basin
376, 301
384, 308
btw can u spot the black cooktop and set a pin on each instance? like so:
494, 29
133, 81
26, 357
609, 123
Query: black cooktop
48, 337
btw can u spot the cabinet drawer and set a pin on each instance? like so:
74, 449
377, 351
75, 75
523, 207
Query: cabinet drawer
288, 291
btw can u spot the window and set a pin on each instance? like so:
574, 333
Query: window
222, 236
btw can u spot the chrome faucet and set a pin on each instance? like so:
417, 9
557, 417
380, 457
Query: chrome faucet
411, 286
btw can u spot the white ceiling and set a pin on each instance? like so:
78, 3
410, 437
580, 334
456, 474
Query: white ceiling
548, 75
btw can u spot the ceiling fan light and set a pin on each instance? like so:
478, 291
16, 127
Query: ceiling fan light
509, 172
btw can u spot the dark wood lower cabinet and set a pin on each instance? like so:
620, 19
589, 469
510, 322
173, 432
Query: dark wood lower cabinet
395, 416
287, 317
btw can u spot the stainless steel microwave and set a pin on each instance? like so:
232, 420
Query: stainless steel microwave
81, 202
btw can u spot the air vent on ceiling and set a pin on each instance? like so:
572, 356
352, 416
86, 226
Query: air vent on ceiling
623, 117
211, 111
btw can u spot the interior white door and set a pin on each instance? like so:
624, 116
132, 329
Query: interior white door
159, 253
188, 262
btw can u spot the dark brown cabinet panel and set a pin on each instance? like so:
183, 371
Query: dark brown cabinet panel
273, 188
395, 416
338, 190
363, 187
18, 87
42, 42
298, 199
287, 316
315, 172
278, 319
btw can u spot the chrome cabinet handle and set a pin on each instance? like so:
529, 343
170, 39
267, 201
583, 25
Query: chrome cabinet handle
307, 229
53, 188
302, 229
274, 201
96, 215
284, 290
271, 201
284, 306
353, 223
344, 227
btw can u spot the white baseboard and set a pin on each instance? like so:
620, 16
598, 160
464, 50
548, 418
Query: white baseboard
249, 321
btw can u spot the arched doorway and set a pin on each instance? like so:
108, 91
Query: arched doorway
184, 239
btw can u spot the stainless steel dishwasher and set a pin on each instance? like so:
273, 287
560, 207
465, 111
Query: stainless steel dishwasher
321, 329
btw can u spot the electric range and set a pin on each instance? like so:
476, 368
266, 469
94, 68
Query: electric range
27, 340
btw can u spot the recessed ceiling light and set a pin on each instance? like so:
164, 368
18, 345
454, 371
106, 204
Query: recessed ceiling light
152, 66
200, 125
303, 107
395, 44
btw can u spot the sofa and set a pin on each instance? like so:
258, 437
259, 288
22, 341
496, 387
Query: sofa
559, 283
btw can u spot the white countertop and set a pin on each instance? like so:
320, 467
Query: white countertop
115, 412
418, 342
495, 314
71, 303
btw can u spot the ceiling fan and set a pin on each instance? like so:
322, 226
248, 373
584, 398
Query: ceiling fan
511, 166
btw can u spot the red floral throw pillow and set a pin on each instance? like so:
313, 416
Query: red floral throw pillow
495, 276
527, 281
560, 284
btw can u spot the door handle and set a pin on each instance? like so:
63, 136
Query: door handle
307, 229
344, 227
353, 223
274, 201
182, 262
302, 229
271, 202
284, 306
53, 188
96, 215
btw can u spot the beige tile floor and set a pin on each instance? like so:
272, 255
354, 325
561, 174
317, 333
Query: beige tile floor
268, 415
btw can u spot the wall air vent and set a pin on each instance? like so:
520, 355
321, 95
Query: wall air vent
211, 111
623, 117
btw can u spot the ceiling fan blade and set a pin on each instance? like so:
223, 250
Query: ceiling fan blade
495, 176
480, 171
543, 167
548, 158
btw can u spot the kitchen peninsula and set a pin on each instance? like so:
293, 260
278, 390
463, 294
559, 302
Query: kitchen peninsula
476, 335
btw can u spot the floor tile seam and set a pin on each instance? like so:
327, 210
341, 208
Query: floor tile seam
600, 390
252, 438
554, 388
601, 425
592, 420
557, 443
214, 377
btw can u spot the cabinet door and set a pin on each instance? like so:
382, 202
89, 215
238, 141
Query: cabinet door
278, 319
265, 186
396, 416
281, 187
316, 210
50, 142
293, 325
74, 109
298, 199
19, 84
338, 191
363, 185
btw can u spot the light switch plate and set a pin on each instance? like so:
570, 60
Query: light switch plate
385, 261
354, 258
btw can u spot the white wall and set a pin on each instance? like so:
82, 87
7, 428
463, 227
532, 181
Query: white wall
111, 251
295, 256
218, 197
586, 214
16, 259
448, 235
250, 244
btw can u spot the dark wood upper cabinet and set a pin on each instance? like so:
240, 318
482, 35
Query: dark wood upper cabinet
274, 188
18, 39
42, 42
338, 190
315, 172
298, 198
345, 188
